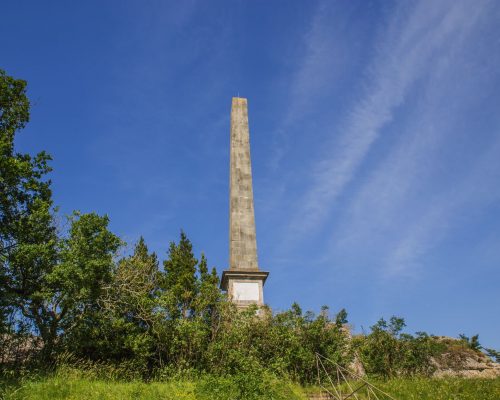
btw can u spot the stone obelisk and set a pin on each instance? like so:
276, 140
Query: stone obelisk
243, 281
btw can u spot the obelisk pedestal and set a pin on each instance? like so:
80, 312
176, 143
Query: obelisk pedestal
243, 281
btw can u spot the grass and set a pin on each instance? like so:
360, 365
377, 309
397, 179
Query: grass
435, 389
71, 386
68, 383
59, 388
444, 389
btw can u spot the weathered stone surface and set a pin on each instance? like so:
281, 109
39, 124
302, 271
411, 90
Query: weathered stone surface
470, 366
242, 240
460, 361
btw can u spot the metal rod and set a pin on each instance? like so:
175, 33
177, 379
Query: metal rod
354, 393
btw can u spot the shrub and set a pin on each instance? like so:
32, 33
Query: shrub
387, 352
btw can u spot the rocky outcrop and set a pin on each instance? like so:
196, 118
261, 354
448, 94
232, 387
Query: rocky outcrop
461, 361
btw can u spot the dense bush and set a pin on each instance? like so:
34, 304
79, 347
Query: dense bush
387, 352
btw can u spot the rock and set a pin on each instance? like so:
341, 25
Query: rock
461, 361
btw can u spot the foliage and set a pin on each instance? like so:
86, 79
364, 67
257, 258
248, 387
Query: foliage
48, 279
25, 197
387, 352
146, 317
55, 283
471, 342
116, 328
285, 343
158, 319
493, 354
180, 279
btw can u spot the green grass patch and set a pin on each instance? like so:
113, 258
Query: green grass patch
427, 388
72, 386
75, 384
59, 388
443, 389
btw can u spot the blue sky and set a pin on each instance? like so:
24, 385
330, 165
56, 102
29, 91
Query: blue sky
375, 133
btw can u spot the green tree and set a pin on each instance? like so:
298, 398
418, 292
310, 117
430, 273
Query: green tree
208, 292
135, 286
27, 233
387, 352
341, 318
146, 316
25, 200
47, 278
471, 342
493, 354
381, 351
56, 282
124, 322
189, 297
179, 282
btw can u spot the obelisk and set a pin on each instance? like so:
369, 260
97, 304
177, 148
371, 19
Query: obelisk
244, 282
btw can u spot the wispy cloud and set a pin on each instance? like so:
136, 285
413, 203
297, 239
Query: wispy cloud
405, 53
435, 171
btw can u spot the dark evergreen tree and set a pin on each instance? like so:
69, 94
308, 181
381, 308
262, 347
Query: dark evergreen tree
179, 282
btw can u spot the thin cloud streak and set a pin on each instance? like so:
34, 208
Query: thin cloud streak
403, 56
401, 211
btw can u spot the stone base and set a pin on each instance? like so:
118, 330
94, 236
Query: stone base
244, 287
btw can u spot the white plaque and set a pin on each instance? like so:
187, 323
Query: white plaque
246, 291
